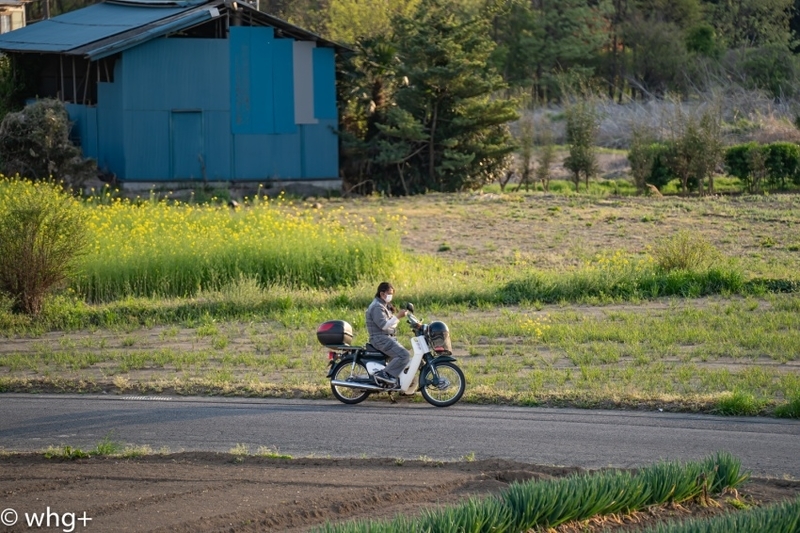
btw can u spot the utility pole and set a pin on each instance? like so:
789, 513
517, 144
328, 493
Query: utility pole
46, 9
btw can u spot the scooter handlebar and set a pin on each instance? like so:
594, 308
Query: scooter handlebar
413, 321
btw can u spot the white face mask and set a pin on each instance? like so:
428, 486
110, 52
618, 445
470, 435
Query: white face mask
388, 298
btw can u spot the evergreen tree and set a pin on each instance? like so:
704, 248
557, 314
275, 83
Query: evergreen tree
752, 23
659, 59
366, 86
447, 133
517, 35
570, 35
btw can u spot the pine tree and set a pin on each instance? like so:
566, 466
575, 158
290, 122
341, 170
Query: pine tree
447, 133
570, 34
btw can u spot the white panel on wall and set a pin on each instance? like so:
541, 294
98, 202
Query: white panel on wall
304, 82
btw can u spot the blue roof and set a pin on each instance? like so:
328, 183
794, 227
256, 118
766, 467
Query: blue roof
104, 29
97, 22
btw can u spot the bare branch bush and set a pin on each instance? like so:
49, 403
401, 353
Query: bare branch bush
582, 124
546, 154
42, 232
640, 155
526, 140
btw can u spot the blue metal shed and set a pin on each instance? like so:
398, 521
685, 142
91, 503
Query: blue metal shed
166, 91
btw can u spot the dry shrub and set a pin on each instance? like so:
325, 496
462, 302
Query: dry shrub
747, 115
686, 251
41, 234
768, 130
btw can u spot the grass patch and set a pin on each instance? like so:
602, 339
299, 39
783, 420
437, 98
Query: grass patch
241, 451
598, 281
536, 317
738, 403
790, 409
640, 282
105, 448
676, 355
132, 452
271, 453
66, 453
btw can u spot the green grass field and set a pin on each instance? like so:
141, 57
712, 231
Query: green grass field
552, 299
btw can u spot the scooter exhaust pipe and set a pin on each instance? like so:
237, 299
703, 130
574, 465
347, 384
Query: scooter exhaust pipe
356, 385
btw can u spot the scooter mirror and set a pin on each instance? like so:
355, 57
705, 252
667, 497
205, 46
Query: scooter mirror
410, 307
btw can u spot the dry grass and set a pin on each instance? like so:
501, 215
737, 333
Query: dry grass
748, 116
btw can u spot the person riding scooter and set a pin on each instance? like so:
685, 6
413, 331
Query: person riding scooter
382, 328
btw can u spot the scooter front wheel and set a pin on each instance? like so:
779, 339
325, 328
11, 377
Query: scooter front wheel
349, 395
444, 387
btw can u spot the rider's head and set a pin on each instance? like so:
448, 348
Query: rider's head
383, 289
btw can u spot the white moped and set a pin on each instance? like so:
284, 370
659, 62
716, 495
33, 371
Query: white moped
431, 370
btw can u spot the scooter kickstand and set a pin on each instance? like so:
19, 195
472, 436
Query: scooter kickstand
391, 397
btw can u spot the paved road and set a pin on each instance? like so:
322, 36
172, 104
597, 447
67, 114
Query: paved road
375, 429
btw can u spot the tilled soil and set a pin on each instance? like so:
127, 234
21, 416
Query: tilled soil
207, 492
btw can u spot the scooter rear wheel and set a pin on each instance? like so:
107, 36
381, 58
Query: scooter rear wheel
447, 389
342, 373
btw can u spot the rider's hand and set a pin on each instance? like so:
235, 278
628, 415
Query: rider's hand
402, 313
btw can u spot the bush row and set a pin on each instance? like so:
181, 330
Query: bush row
760, 166
769, 166
547, 504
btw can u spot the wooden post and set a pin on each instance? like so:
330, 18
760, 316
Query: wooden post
74, 82
86, 79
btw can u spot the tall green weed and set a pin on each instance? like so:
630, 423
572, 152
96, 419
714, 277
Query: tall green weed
781, 518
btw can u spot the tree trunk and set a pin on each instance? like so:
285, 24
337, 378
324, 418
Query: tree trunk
402, 179
432, 144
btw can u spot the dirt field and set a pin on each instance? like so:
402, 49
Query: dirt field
203, 492
551, 231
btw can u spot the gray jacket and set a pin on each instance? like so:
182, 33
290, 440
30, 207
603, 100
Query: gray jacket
382, 326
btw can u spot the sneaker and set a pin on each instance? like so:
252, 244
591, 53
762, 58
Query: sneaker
382, 377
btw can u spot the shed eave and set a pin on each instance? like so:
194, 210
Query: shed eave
97, 51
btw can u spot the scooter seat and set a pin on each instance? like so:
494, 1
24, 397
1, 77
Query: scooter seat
373, 353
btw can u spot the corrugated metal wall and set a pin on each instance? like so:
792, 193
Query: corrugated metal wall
324, 84
84, 127
191, 109
110, 125
320, 150
167, 77
250, 78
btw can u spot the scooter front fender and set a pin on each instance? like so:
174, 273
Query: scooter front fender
432, 362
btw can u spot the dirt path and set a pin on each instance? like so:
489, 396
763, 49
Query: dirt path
203, 492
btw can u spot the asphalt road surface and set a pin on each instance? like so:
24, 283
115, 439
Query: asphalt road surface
568, 437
